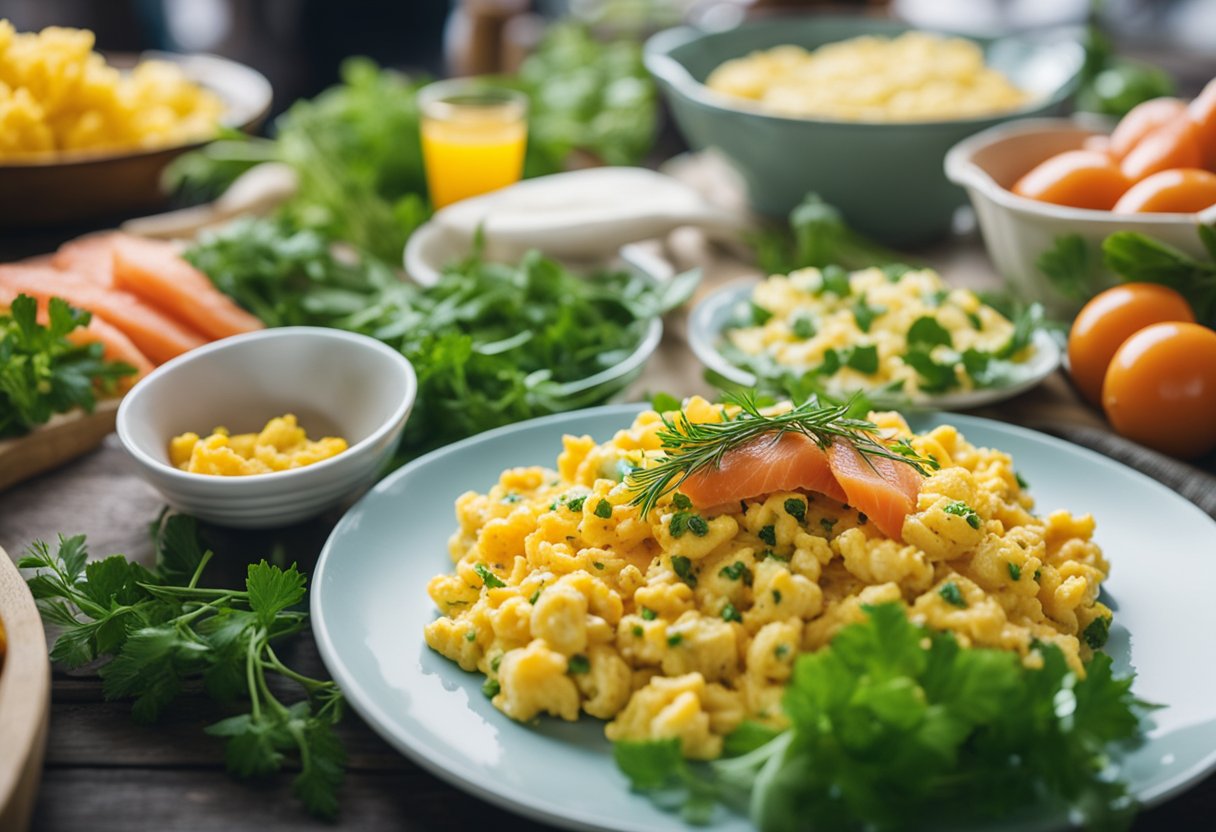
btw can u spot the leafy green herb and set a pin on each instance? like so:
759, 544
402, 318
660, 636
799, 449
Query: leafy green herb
490, 580
1072, 269
1097, 632
892, 721
729, 613
927, 332
491, 688
41, 372
675, 639
638, 631
803, 327
491, 344
1137, 257
578, 664
697, 525
776, 596
1021, 481
159, 632
689, 447
768, 534
664, 402
834, 279
737, 571
683, 569
951, 594
961, 509
865, 314
576, 504
648, 614
819, 237
758, 314
681, 502
863, 358
1015, 571
795, 507
471, 635
603, 509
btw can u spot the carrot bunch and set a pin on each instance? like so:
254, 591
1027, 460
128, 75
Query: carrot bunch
1160, 158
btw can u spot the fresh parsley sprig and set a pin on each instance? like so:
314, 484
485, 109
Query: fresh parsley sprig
893, 722
158, 632
43, 373
689, 447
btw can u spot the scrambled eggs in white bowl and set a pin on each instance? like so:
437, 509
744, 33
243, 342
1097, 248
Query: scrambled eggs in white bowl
904, 339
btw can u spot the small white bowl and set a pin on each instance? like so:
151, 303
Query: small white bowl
1017, 230
337, 383
711, 317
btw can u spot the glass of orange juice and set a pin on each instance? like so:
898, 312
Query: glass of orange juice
473, 138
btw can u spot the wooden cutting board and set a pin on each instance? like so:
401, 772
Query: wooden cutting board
25, 692
64, 438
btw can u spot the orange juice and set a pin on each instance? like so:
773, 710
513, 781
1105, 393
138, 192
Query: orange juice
473, 139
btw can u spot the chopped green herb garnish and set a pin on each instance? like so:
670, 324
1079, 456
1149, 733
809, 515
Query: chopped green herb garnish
683, 568
737, 571
776, 596
674, 639
952, 594
535, 595
496, 662
803, 327
960, 509
760, 315
648, 614
864, 359
597, 564
603, 509
795, 508
1022, 484
491, 687
834, 279
729, 613
1015, 571
864, 314
511, 497
768, 534
781, 651
976, 322
1097, 632
681, 501
470, 635
576, 504
488, 578
1038, 573
697, 525
927, 332
578, 664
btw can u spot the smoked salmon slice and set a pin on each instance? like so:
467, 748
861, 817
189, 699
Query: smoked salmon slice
91, 257
884, 489
155, 271
787, 462
115, 345
154, 334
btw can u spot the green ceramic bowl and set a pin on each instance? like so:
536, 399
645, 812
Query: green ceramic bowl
886, 177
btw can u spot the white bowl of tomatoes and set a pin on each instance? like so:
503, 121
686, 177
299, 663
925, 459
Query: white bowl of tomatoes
1048, 192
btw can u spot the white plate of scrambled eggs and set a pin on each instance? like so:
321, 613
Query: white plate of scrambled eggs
905, 338
559, 586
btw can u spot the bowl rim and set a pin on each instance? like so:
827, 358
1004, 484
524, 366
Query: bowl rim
703, 337
656, 55
250, 483
961, 169
263, 88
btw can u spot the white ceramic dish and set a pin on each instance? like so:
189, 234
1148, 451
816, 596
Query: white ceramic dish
1018, 230
369, 606
716, 310
336, 383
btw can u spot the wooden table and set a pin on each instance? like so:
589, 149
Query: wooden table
104, 773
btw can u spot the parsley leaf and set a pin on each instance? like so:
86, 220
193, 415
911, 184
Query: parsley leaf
488, 578
927, 332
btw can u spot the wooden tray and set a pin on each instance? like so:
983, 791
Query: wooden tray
25, 692
64, 438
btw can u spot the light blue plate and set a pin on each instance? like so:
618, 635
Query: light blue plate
369, 605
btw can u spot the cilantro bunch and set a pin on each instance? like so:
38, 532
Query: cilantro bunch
892, 725
160, 633
43, 373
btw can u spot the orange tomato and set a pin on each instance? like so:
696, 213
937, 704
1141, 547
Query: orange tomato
1203, 112
1140, 121
1183, 191
1174, 144
1109, 319
1160, 389
1079, 178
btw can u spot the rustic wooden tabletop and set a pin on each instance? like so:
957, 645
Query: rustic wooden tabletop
105, 773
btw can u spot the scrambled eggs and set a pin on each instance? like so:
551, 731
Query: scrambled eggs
855, 330
281, 445
914, 77
58, 96
569, 601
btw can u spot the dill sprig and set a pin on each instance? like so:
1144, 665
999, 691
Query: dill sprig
690, 447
